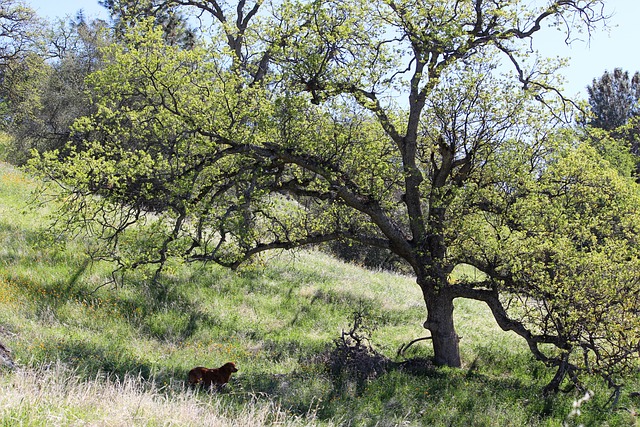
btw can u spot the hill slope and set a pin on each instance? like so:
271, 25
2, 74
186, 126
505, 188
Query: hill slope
96, 354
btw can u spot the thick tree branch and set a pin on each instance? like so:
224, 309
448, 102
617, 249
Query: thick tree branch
491, 298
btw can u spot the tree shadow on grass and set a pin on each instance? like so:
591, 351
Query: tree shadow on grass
413, 387
31, 247
90, 360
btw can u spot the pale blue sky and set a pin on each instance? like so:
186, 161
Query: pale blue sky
605, 51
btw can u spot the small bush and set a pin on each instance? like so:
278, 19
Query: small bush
353, 358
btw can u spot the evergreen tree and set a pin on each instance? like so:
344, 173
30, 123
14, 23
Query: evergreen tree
167, 15
614, 99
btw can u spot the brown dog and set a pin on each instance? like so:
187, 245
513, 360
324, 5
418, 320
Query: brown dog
210, 377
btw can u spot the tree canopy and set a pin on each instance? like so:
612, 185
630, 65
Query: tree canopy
385, 123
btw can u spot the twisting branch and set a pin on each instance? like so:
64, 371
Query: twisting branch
263, 247
491, 298
529, 83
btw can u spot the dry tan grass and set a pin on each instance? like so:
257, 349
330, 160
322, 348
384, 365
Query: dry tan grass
57, 396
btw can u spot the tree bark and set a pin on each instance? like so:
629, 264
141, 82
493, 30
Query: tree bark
440, 323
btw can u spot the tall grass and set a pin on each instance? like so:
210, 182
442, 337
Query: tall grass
55, 396
98, 355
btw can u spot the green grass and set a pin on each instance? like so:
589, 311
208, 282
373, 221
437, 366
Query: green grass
99, 355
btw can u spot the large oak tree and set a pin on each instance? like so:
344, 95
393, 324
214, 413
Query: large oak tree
386, 123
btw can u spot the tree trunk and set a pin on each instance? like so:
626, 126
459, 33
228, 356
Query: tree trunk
440, 323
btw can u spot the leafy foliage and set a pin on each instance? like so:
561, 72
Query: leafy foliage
565, 260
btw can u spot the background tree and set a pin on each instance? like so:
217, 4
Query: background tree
615, 104
298, 102
18, 29
45, 91
174, 24
18, 41
614, 99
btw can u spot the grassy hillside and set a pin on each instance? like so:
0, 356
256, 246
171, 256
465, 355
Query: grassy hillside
90, 354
